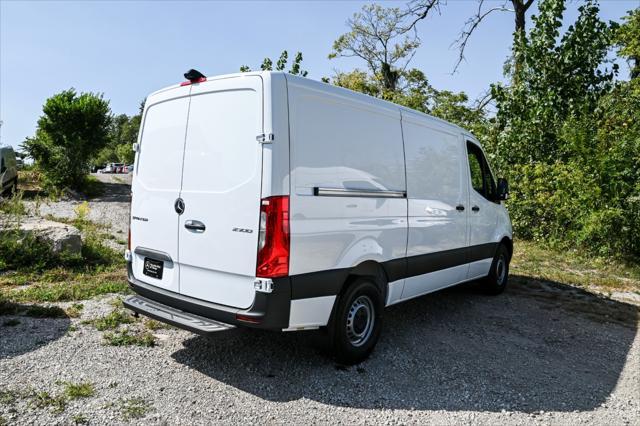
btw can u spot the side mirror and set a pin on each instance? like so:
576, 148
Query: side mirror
503, 189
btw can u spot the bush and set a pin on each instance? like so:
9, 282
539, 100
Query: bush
72, 129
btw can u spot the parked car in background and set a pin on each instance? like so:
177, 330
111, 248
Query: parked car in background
326, 206
8, 170
112, 168
130, 168
97, 167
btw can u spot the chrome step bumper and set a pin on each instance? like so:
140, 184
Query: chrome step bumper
173, 316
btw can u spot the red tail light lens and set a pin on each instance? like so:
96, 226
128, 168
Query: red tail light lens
129, 239
273, 245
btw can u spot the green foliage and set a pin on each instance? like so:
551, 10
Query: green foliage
127, 338
113, 320
568, 138
281, 64
123, 133
134, 408
78, 390
627, 38
72, 129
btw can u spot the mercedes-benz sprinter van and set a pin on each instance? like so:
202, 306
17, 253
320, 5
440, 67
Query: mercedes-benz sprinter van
274, 201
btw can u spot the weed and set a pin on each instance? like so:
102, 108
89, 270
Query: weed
44, 400
113, 320
154, 325
3, 421
11, 322
75, 310
78, 390
126, 338
80, 419
134, 408
8, 397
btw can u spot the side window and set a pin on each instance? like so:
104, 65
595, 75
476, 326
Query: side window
481, 179
475, 167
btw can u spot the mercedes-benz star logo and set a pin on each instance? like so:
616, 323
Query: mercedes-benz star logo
179, 206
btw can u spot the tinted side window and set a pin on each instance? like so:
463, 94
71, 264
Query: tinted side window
481, 179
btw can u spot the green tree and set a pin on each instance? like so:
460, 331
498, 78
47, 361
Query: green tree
627, 38
281, 64
72, 129
385, 38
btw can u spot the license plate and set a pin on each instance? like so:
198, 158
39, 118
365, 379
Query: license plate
153, 268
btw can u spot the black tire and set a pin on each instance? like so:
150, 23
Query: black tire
498, 277
357, 322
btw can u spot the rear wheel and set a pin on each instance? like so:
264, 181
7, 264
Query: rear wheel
357, 322
496, 281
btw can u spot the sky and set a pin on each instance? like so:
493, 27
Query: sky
128, 49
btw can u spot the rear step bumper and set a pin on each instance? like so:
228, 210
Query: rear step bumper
269, 310
174, 316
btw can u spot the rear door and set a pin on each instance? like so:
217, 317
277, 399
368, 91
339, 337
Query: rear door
221, 186
156, 187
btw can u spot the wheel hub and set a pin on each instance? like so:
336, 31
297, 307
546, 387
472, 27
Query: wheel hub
360, 320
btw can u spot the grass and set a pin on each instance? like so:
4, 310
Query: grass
78, 390
134, 408
568, 267
128, 338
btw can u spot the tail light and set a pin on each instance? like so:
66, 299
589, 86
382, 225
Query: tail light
273, 241
129, 239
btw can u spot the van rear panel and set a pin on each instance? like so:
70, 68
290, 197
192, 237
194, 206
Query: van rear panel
197, 189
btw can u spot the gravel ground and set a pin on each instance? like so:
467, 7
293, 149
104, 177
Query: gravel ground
541, 353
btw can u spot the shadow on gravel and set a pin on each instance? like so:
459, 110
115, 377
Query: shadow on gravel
35, 327
114, 192
539, 346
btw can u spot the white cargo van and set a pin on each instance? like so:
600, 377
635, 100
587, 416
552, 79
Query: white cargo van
8, 171
274, 201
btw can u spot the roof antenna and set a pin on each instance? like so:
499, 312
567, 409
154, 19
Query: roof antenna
194, 76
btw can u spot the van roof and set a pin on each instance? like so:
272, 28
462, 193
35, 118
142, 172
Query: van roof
318, 85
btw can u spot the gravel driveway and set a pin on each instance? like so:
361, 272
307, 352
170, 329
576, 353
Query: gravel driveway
540, 353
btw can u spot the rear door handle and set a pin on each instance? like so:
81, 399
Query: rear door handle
475, 208
195, 225
460, 207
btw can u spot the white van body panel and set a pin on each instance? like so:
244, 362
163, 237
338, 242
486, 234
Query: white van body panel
436, 185
345, 142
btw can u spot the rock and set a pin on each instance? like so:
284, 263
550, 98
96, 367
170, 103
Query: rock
60, 236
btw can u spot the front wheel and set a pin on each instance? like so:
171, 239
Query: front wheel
496, 281
357, 323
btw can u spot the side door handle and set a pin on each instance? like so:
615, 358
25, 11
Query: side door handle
460, 207
475, 208
195, 225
